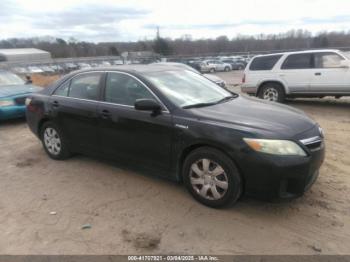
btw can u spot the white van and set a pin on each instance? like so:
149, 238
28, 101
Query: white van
315, 73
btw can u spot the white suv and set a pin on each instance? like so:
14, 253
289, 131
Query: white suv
315, 73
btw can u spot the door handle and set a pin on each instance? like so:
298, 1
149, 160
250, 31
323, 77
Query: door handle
55, 104
105, 114
318, 74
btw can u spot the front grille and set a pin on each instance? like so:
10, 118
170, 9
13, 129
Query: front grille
20, 100
313, 143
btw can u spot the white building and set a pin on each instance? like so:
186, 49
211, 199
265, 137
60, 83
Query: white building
24, 55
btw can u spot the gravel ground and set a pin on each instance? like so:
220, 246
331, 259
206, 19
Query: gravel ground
89, 206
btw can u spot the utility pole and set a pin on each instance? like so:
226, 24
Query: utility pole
158, 34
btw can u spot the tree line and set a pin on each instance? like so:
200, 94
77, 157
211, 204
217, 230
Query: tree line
185, 46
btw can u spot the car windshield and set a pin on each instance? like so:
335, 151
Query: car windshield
188, 89
7, 78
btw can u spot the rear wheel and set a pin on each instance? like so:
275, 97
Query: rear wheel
227, 69
212, 178
272, 92
54, 142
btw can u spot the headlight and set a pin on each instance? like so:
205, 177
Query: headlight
275, 147
7, 102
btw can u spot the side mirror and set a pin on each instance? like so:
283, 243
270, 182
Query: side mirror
147, 105
345, 64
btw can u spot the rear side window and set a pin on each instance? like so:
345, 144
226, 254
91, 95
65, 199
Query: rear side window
264, 62
327, 60
85, 86
298, 61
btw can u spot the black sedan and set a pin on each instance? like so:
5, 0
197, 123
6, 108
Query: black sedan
182, 126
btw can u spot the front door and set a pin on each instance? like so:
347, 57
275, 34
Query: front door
329, 76
140, 137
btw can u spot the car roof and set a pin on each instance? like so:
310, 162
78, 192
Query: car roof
301, 52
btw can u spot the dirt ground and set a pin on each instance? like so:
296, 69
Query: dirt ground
89, 206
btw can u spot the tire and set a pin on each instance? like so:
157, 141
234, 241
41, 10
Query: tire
212, 70
222, 187
227, 69
53, 141
272, 92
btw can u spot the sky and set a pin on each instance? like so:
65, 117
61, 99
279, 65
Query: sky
133, 20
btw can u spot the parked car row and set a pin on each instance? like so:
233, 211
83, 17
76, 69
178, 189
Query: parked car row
65, 67
218, 65
215, 64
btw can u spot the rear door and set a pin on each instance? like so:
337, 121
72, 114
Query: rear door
329, 76
297, 72
74, 108
139, 137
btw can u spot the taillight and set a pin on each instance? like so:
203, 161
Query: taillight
243, 79
28, 101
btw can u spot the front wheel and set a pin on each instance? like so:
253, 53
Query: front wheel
212, 178
54, 142
272, 92
212, 70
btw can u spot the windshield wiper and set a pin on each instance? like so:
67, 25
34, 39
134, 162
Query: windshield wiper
227, 98
199, 105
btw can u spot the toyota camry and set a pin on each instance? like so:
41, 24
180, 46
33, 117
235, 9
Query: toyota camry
182, 126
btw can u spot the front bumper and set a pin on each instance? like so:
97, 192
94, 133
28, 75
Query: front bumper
252, 90
11, 112
280, 177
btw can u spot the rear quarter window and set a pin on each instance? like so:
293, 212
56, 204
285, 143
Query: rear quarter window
264, 62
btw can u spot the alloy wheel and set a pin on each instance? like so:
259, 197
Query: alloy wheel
52, 141
270, 94
208, 179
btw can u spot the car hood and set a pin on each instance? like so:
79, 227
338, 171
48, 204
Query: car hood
257, 116
14, 90
213, 78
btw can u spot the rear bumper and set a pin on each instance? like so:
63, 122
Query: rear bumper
273, 177
11, 112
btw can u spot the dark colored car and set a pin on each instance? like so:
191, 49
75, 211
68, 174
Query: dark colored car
182, 126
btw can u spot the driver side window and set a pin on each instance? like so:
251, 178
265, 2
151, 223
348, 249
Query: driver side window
125, 90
